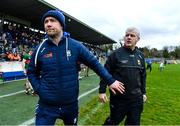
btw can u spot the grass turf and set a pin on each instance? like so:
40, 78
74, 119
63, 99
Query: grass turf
161, 108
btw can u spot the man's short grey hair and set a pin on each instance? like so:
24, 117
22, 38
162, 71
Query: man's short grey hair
133, 29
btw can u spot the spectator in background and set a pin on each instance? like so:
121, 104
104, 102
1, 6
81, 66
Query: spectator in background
149, 64
10, 56
161, 66
79, 70
86, 71
165, 62
26, 61
16, 57
127, 65
14, 47
53, 73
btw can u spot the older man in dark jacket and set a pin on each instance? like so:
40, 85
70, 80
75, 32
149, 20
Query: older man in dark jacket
126, 64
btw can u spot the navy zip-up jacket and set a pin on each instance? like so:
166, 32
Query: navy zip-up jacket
55, 76
128, 67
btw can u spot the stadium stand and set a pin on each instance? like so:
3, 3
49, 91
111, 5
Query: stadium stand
21, 31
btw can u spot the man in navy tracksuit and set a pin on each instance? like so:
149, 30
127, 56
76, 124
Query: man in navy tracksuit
127, 65
53, 72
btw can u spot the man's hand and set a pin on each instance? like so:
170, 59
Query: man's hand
144, 98
103, 98
117, 86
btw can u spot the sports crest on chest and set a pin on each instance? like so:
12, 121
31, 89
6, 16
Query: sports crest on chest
139, 62
48, 55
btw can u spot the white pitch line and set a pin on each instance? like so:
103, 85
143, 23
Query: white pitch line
28, 122
3, 96
84, 94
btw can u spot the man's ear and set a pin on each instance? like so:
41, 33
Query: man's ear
138, 38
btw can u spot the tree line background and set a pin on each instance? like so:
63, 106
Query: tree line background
169, 52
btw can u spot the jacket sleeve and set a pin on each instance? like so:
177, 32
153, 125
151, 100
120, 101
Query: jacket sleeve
33, 73
143, 77
90, 60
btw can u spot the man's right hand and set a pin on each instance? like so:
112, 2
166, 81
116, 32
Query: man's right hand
117, 86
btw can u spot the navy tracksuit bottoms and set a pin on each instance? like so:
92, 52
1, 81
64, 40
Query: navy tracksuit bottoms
47, 115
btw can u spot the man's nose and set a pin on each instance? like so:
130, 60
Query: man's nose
48, 23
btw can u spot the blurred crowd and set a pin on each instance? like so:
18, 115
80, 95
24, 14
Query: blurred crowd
17, 39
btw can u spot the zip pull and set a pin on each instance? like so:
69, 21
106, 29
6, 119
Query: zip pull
68, 52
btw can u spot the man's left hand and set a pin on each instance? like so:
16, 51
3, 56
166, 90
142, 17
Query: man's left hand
144, 98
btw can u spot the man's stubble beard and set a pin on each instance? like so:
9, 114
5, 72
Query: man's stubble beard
55, 34
52, 36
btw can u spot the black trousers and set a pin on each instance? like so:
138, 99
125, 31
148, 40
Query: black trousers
131, 108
